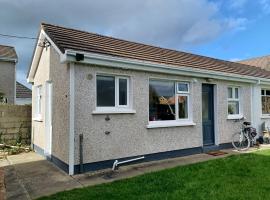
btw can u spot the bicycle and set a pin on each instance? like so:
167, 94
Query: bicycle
242, 140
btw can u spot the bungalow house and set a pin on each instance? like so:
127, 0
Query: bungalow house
8, 60
262, 105
97, 99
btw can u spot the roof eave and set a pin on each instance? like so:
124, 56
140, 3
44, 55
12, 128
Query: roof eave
6, 59
124, 63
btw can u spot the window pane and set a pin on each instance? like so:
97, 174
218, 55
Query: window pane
268, 92
205, 106
182, 87
122, 91
236, 93
265, 104
183, 107
161, 100
39, 96
262, 92
105, 91
229, 93
233, 107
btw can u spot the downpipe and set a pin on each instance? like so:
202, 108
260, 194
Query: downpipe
116, 162
81, 152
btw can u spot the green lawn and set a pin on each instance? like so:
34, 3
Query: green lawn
245, 176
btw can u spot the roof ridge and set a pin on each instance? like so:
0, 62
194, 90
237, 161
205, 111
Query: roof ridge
253, 58
20, 83
149, 45
7, 46
24, 86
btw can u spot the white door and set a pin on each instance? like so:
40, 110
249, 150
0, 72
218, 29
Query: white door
48, 120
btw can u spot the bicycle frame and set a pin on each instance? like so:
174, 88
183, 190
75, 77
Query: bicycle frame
244, 134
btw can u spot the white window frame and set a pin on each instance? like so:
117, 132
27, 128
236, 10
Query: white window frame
182, 93
117, 108
38, 103
178, 121
264, 89
117, 105
234, 99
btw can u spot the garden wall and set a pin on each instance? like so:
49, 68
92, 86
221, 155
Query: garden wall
15, 124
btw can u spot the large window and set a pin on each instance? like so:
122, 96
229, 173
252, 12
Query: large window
38, 99
265, 101
168, 100
112, 91
233, 101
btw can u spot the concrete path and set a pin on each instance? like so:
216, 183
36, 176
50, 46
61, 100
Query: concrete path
29, 176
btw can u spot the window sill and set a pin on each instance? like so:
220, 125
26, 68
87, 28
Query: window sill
265, 116
170, 124
114, 111
235, 117
37, 119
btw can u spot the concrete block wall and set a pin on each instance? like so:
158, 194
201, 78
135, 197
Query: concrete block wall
15, 123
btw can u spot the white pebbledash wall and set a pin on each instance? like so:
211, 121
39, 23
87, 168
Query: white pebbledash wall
50, 69
129, 135
41, 76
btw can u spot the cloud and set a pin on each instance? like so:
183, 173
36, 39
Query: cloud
265, 6
236, 24
173, 23
237, 4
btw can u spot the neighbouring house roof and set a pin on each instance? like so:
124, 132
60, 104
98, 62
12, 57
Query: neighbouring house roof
23, 91
262, 62
71, 39
8, 53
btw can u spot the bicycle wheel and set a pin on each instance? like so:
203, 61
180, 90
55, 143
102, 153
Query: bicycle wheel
240, 141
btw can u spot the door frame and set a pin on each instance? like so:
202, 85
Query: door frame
48, 119
215, 110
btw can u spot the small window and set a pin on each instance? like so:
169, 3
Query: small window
38, 102
123, 89
112, 91
233, 101
182, 88
236, 93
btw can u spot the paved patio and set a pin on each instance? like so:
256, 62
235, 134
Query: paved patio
29, 176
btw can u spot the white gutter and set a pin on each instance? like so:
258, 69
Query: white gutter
5, 59
124, 63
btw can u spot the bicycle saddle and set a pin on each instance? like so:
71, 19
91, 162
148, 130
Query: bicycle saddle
246, 123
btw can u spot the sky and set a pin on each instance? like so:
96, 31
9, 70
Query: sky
225, 29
